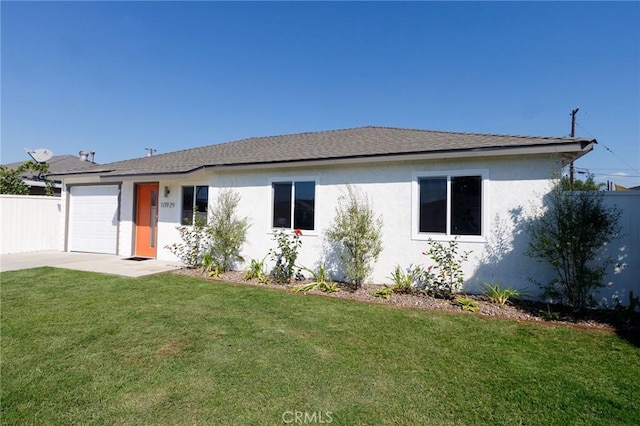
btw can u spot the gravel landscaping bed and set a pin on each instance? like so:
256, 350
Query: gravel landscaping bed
520, 310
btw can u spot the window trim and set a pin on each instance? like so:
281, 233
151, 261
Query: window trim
293, 180
195, 191
448, 175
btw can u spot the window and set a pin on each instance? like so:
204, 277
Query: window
195, 203
450, 205
294, 203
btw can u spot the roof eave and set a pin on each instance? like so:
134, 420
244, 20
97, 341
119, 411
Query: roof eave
149, 175
568, 152
40, 183
572, 150
78, 173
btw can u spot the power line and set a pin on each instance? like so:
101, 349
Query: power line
601, 169
582, 171
609, 149
613, 175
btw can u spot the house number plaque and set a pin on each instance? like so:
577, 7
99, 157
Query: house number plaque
167, 204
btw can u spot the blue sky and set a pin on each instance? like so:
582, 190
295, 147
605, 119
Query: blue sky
118, 77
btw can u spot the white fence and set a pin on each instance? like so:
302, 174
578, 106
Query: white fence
625, 274
29, 223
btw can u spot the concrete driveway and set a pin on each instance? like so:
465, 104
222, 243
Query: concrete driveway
103, 263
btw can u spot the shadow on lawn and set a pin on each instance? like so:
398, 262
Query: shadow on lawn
630, 335
505, 262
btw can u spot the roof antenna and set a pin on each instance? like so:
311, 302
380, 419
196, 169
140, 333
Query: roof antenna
150, 151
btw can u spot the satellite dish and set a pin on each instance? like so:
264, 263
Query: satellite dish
40, 155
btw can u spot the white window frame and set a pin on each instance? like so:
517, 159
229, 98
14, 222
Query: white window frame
193, 215
293, 180
448, 175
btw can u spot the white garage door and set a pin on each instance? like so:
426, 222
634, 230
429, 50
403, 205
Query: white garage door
93, 219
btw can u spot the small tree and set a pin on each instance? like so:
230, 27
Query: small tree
357, 233
11, 180
228, 232
589, 184
570, 236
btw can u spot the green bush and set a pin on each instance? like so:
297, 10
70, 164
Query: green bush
570, 235
445, 276
209, 265
467, 304
357, 235
321, 281
285, 256
403, 282
222, 238
11, 179
255, 270
195, 242
501, 295
383, 292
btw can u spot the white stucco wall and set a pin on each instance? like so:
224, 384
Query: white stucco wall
623, 275
512, 188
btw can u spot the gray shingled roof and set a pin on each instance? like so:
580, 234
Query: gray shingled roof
60, 164
361, 142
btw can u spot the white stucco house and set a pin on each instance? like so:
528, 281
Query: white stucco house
443, 185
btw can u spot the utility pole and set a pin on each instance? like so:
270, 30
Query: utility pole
573, 134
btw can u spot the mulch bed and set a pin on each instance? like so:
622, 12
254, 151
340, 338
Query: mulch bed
520, 310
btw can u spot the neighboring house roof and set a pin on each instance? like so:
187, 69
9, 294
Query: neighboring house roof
362, 143
60, 163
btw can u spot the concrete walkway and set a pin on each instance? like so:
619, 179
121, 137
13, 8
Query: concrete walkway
103, 263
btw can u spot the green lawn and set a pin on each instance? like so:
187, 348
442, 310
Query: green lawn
87, 348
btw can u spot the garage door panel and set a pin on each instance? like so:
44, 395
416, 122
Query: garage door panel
93, 219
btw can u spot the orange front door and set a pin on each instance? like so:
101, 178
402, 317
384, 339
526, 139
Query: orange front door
147, 219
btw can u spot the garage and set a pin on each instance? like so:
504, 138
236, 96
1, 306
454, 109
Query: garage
93, 218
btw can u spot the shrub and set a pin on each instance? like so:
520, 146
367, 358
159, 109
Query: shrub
403, 281
325, 286
445, 276
209, 265
195, 242
285, 256
329, 287
467, 304
357, 235
383, 292
549, 315
228, 232
320, 274
321, 281
255, 270
501, 295
570, 236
